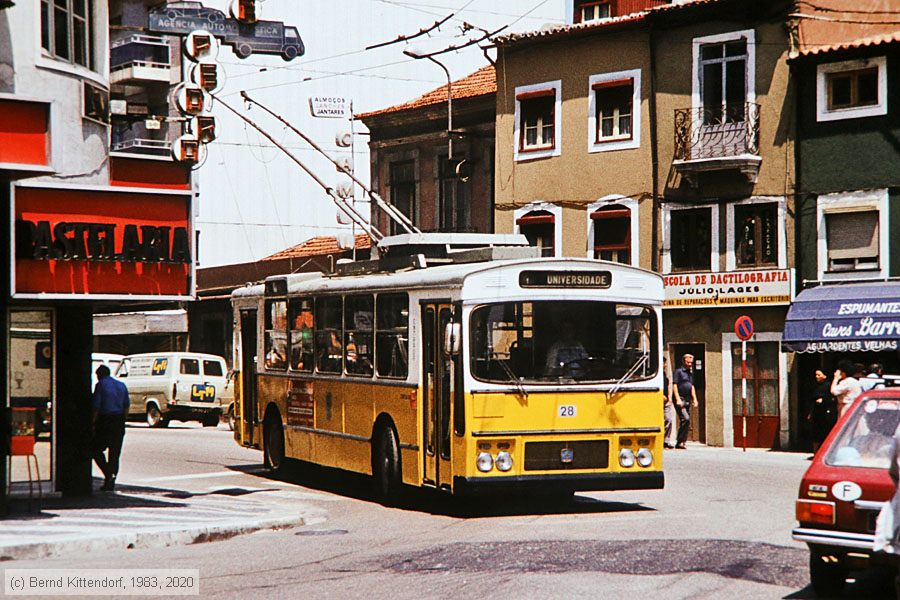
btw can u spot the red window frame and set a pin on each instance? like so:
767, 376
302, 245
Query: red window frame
522, 98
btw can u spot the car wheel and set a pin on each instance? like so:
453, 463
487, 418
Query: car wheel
827, 577
386, 466
273, 452
229, 418
154, 417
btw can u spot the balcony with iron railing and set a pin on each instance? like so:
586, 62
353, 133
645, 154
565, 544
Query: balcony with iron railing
717, 139
136, 138
140, 58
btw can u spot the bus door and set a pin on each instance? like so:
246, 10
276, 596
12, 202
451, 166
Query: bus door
437, 394
248, 375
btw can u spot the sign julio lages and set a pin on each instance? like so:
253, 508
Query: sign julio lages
698, 290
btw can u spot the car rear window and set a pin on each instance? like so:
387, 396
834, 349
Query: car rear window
212, 367
190, 366
865, 440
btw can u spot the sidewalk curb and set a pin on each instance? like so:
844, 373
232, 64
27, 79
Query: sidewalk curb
147, 539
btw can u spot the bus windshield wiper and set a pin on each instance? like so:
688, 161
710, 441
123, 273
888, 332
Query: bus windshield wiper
512, 378
638, 364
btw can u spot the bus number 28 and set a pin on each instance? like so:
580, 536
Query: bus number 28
567, 410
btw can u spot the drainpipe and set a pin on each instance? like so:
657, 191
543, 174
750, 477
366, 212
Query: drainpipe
654, 155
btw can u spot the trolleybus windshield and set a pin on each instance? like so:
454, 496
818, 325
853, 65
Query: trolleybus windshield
544, 342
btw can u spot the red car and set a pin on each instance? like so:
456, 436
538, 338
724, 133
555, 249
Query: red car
844, 489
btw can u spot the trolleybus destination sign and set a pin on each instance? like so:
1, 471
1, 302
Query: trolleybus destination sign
565, 279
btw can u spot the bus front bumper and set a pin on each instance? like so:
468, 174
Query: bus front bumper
576, 482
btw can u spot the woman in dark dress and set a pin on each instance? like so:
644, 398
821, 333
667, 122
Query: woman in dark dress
823, 411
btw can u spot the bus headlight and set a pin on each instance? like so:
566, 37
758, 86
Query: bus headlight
503, 461
644, 457
626, 458
484, 462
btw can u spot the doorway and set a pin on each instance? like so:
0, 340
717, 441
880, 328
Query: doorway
31, 375
698, 371
437, 393
761, 406
248, 377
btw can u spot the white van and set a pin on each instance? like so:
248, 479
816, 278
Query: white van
186, 386
104, 358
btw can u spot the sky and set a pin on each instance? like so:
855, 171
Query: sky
253, 200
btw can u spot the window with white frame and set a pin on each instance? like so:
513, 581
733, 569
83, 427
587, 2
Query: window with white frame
756, 235
541, 224
851, 89
537, 120
612, 233
539, 227
723, 81
614, 111
591, 10
66, 30
852, 238
690, 242
852, 234
538, 123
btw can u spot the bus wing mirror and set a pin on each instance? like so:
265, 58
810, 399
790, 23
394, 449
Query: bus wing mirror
452, 339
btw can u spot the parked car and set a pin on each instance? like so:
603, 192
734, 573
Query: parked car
844, 489
186, 386
104, 358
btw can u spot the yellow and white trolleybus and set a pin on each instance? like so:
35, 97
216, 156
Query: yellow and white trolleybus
468, 370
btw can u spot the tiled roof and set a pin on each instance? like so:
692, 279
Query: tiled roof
480, 83
565, 30
319, 246
830, 25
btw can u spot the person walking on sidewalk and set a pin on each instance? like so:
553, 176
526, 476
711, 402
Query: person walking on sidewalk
668, 406
110, 408
685, 397
845, 387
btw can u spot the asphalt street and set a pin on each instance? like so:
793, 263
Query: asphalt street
720, 529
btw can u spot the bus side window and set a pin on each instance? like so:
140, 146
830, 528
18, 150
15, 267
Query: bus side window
302, 334
359, 321
276, 334
329, 332
392, 335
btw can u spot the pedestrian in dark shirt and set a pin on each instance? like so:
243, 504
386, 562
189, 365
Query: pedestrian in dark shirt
685, 397
823, 410
668, 406
110, 408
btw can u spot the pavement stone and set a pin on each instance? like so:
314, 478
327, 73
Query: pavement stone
137, 517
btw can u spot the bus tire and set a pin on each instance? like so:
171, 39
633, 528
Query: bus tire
273, 438
154, 417
386, 465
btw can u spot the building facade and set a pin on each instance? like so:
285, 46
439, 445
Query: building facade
664, 138
412, 167
88, 228
848, 202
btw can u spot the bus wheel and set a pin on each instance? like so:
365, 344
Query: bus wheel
827, 578
273, 454
386, 465
154, 417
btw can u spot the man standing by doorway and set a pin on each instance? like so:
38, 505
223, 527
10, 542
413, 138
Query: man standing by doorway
110, 408
685, 397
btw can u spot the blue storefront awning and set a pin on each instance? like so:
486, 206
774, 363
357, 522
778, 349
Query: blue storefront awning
852, 317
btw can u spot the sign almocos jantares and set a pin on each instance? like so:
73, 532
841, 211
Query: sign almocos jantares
102, 242
732, 288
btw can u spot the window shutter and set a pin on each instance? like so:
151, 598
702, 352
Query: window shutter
852, 234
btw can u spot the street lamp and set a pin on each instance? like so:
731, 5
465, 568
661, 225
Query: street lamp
414, 53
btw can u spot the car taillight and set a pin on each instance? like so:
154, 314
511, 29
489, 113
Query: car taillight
814, 511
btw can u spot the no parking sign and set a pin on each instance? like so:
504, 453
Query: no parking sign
743, 327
